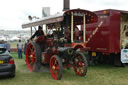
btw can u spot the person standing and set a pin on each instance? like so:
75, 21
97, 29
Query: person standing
19, 47
8, 46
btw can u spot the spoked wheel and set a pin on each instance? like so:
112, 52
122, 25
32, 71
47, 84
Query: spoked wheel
33, 57
80, 64
56, 68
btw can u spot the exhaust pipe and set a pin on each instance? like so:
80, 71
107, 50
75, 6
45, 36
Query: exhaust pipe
66, 5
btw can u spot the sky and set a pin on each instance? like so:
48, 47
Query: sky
13, 13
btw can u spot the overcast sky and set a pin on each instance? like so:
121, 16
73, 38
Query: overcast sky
15, 12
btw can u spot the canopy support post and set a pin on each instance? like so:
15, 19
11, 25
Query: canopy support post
72, 20
84, 29
31, 31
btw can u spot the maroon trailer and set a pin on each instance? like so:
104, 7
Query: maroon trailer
107, 37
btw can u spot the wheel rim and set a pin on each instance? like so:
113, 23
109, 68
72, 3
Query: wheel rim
30, 57
54, 68
79, 65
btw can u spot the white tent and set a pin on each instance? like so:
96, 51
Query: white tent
14, 38
2, 38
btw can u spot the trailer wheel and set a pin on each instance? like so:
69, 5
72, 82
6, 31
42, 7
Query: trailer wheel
80, 64
33, 57
56, 68
125, 64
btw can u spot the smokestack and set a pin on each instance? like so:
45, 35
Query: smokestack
66, 5
45, 11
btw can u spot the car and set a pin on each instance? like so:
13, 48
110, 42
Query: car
7, 64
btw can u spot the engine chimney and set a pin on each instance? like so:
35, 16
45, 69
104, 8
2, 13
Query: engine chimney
66, 5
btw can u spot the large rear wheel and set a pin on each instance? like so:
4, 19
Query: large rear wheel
33, 57
56, 68
80, 64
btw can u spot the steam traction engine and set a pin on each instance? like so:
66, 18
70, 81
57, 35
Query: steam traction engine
63, 43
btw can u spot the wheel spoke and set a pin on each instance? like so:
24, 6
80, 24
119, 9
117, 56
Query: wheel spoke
30, 50
80, 71
31, 63
81, 64
34, 53
57, 72
55, 62
57, 68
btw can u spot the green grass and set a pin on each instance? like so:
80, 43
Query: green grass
15, 55
97, 75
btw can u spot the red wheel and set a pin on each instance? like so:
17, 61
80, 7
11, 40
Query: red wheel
33, 57
56, 68
80, 64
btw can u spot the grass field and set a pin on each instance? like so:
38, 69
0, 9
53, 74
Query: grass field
97, 75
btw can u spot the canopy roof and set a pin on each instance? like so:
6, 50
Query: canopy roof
78, 14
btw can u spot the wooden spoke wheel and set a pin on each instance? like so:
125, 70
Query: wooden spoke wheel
33, 57
80, 64
56, 68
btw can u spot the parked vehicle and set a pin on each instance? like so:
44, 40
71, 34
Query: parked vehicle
7, 65
107, 37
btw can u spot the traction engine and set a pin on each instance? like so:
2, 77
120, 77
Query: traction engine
63, 44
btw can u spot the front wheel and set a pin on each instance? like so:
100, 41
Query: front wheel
80, 64
56, 68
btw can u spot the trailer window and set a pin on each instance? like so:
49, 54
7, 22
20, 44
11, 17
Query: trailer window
103, 16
